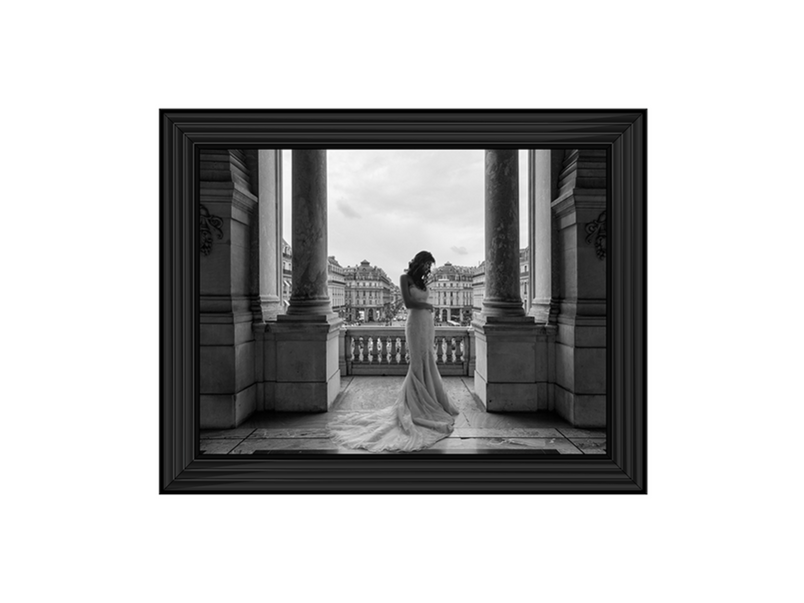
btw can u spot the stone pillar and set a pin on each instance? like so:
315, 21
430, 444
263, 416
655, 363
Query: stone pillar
310, 294
580, 214
270, 233
227, 381
502, 297
307, 356
511, 365
539, 231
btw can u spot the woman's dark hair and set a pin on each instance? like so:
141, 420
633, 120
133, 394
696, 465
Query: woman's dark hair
419, 268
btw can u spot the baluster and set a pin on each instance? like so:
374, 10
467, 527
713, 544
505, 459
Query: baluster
450, 350
393, 359
360, 349
439, 344
459, 350
384, 350
406, 351
370, 349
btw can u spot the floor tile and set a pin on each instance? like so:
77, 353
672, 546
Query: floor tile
561, 445
237, 432
509, 432
369, 393
250, 445
590, 445
475, 429
222, 446
574, 432
290, 432
287, 420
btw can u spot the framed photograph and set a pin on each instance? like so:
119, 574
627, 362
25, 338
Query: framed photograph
403, 301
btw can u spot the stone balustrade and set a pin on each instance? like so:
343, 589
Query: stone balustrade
383, 350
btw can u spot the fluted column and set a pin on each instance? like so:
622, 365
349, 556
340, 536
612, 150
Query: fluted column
539, 228
502, 298
309, 295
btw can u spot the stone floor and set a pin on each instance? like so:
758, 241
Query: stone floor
476, 431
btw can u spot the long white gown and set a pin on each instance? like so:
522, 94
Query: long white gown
422, 413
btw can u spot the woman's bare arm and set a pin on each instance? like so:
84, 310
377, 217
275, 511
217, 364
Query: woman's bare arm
410, 303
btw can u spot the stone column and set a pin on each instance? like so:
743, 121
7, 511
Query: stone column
502, 297
511, 365
306, 362
539, 229
270, 233
310, 295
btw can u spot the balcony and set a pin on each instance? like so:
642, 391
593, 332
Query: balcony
476, 431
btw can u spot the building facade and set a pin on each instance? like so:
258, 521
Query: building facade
369, 294
478, 289
451, 294
336, 284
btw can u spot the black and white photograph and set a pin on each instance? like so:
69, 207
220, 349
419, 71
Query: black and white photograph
353, 302
448, 301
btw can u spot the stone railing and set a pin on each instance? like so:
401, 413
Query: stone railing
383, 351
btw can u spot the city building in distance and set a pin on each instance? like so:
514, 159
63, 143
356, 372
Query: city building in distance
370, 294
451, 294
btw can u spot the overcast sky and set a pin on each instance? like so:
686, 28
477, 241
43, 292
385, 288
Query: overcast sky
385, 206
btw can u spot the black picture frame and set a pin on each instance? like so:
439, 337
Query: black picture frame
623, 469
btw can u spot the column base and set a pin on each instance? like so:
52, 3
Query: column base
512, 364
307, 307
502, 309
327, 317
308, 376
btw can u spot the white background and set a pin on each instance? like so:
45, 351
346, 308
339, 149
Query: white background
82, 86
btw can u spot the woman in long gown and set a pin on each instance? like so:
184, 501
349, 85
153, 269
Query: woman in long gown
422, 413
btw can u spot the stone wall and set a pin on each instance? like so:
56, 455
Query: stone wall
228, 208
579, 213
